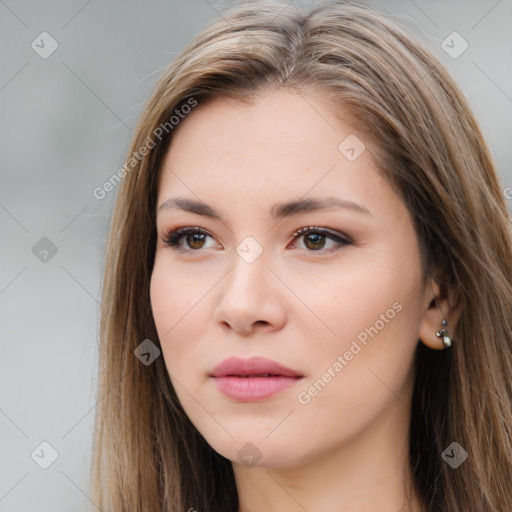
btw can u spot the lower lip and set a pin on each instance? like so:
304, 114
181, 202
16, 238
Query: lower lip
251, 389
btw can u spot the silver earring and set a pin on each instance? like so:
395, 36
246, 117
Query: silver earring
444, 334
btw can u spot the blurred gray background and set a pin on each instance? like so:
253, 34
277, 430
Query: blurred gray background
67, 118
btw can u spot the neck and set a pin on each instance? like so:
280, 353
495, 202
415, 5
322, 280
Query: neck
367, 473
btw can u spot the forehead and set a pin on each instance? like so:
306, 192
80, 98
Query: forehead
285, 145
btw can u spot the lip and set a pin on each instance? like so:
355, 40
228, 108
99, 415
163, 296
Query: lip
253, 379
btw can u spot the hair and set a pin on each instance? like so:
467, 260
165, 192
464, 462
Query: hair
147, 454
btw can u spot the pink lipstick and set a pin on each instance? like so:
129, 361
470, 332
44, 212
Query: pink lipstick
250, 380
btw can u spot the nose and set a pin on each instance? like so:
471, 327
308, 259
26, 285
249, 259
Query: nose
251, 298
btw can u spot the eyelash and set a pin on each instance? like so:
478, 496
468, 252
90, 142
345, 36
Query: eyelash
172, 238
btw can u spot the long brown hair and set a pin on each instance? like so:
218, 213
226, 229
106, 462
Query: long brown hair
147, 454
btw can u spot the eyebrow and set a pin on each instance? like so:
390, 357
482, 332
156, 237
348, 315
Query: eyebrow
278, 211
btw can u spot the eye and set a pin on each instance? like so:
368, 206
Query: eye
315, 238
195, 239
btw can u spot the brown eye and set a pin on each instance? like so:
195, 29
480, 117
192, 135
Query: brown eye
194, 238
315, 239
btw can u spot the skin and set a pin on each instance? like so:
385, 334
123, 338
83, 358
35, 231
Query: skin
300, 302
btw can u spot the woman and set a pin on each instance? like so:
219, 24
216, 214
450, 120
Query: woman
308, 281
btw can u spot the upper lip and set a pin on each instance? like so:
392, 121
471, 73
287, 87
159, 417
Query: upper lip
236, 366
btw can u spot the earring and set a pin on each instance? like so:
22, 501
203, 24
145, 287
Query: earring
444, 334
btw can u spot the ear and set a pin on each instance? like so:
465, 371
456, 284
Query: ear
439, 305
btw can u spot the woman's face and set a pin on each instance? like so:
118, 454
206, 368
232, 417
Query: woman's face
340, 306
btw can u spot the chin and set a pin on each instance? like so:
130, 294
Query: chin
249, 445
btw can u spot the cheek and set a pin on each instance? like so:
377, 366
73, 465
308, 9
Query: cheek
174, 295
164, 301
179, 304
366, 368
370, 310
353, 298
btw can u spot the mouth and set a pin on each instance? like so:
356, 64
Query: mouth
254, 379
242, 376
